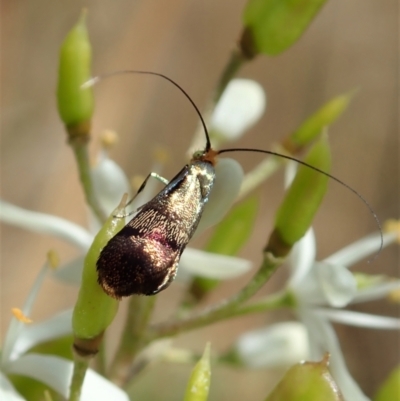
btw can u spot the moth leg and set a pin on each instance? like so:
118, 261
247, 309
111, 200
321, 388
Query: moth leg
141, 188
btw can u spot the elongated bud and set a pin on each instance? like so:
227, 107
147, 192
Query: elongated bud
314, 124
95, 310
309, 381
75, 104
273, 26
302, 200
199, 382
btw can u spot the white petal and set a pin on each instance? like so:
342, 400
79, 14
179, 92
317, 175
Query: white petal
338, 284
70, 272
31, 335
280, 345
16, 326
322, 333
359, 319
241, 105
228, 179
7, 390
302, 258
290, 172
57, 372
211, 265
45, 224
360, 249
377, 291
110, 183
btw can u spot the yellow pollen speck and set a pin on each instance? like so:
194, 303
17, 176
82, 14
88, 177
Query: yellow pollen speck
160, 155
108, 139
392, 225
53, 259
20, 315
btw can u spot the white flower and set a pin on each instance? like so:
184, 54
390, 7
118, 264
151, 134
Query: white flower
322, 287
241, 105
278, 345
53, 371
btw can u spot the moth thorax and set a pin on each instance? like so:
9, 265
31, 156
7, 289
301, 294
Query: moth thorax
206, 175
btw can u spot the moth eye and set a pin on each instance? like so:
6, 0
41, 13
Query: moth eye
198, 154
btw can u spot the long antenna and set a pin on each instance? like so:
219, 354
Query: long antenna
96, 79
319, 171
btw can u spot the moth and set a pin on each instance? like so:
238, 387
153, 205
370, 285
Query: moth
143, 257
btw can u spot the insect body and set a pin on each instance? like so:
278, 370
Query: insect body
143, 257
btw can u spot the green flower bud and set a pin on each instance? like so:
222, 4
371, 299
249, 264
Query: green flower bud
302, 200
271, 26
75, 105
314, 125
95, 310
199, 382
309, 381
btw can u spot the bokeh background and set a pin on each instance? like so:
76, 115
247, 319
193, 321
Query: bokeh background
351, 44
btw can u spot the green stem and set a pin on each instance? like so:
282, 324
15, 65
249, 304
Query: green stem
78, 375
236, 60
225, 310
82, 158
132, 340
272, 302
101, 360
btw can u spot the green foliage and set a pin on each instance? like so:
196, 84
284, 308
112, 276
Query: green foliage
314, 124
304, 196
275, 25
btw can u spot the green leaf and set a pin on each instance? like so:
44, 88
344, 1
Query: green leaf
75, 104
275, 25
308, 381
234, 231
390, 389
199, 383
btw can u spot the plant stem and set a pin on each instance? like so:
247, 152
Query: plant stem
82, 158
132, 340
236, 60
225, 310
78, 375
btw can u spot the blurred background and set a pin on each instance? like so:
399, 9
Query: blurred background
351, 44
